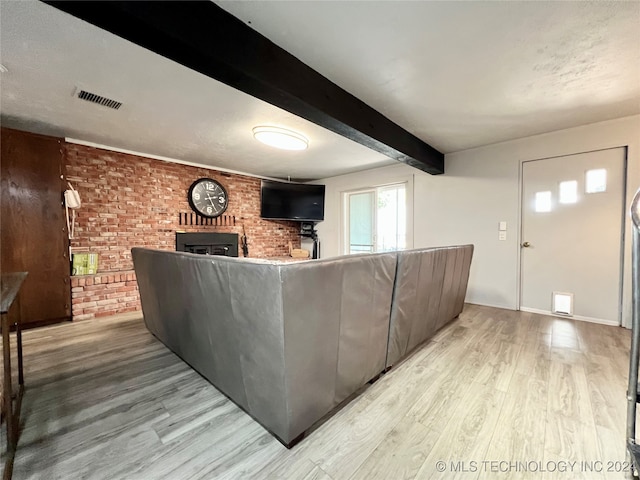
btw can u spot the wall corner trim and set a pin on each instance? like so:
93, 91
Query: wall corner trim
163, 159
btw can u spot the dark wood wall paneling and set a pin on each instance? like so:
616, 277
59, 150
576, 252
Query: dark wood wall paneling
33, 225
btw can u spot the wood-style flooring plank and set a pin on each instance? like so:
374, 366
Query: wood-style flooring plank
466, 437
499, 366
400, 455
106, 400
340, 451
570, 437
569, 392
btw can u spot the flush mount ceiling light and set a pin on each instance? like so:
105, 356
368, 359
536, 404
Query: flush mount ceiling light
281, 138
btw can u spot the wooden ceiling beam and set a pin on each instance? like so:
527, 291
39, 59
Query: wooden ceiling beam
204, 37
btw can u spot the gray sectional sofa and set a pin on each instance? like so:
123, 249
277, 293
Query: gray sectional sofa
288, 342
428, 292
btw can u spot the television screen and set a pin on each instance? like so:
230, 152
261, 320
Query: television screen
292, 201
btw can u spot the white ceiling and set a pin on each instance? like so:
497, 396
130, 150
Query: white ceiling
460, 75
168, 110
455, 74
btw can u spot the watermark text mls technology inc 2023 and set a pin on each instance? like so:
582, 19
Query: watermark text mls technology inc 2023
532, 466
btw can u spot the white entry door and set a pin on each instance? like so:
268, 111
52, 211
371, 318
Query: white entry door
571, 244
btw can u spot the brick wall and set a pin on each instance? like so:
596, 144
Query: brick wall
104, 294
132, 201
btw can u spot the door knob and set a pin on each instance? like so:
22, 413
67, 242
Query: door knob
526, 244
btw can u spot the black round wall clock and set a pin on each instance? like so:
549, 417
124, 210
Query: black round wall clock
208, 198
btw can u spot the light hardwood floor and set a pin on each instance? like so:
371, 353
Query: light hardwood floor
106, 400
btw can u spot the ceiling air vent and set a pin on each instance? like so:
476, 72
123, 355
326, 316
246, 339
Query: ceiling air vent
100, 100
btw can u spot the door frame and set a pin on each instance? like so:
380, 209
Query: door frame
407, 180
621, 284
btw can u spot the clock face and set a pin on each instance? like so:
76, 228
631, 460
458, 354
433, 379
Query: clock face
208, 198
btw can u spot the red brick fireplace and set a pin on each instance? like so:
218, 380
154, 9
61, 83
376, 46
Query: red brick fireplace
133, 201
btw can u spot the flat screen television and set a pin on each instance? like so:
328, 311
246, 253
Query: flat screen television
291, 201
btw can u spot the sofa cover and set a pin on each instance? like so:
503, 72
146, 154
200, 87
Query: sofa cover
286, 342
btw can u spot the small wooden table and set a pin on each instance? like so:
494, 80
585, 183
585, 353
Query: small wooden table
10, 286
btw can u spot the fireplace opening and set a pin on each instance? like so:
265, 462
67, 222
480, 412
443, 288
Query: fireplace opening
208, 243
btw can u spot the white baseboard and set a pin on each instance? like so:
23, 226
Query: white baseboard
572, 317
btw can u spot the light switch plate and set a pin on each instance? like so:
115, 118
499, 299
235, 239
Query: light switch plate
502, 236
503, 226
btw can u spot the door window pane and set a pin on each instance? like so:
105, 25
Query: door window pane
543, 202
391, 219
569, 191
596, 181
361, 222
376, 220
